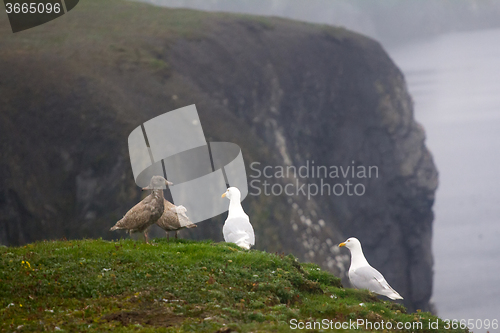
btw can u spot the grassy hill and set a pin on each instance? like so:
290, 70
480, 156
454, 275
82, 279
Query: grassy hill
181, 286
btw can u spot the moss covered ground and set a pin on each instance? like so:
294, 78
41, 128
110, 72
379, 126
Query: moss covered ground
178, 286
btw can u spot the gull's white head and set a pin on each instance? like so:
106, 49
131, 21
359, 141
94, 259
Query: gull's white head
232, 193
351, 243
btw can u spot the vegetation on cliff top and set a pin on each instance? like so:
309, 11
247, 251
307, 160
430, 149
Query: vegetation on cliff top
96, 286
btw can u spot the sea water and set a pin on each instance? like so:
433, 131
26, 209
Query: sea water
454, 80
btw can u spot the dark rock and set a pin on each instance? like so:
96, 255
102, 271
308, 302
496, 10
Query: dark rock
287, 93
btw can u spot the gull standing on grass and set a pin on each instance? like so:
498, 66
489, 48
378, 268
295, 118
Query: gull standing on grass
140, 217
364, 276
174, 218
237, 228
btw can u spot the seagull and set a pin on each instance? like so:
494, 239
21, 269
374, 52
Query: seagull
140, 217
364, 276
174, 218
237, 228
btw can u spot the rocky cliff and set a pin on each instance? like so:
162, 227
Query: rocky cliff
289, 94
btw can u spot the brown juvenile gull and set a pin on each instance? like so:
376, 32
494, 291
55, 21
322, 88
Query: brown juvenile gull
174, 218
146, 212
364, 276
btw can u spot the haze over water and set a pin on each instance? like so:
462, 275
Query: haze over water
454, 80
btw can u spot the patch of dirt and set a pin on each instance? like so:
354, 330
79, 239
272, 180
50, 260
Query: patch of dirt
153, 317
224, 330
310, 286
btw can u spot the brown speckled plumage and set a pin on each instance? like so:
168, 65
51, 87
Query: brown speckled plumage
174, 218
146, 212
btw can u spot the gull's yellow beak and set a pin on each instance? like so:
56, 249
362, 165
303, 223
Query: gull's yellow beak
223, 195
341, 244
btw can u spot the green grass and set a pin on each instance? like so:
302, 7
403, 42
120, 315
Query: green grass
181, 286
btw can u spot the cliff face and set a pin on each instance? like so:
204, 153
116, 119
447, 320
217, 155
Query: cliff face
288, 93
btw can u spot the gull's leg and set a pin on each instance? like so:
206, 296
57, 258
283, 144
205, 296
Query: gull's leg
176, 234
168, 236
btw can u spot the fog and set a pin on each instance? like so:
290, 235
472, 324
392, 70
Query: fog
450, 55
389, 21
454, 82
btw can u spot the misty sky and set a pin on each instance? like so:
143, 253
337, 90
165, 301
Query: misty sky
389, 21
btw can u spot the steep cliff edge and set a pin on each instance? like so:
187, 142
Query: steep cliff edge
288, 93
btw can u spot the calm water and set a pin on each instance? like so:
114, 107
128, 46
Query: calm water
455, 83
